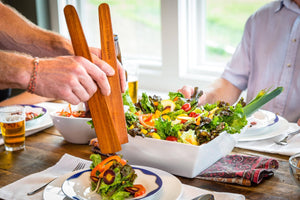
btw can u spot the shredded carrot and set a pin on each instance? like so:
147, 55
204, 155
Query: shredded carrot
70, 108
70, 113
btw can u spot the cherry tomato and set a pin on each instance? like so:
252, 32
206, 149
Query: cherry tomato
136, 190
186, 107
193, 114
142, 190
171, 138
183, 121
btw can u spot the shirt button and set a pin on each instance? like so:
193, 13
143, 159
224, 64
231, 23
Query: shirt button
289, 65
294, 40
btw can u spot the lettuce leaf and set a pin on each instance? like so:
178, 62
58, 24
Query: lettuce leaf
173, 95
127, 101
146, 104
165, 128
236, 121
131, 118
189, 137
96, 159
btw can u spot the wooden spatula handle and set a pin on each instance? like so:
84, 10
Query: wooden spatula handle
115, 102
104, 126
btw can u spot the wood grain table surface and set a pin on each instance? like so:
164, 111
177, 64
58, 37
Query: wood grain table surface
45, 148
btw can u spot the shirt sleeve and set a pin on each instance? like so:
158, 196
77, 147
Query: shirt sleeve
238, 69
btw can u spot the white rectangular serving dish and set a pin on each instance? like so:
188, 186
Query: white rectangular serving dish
177, 158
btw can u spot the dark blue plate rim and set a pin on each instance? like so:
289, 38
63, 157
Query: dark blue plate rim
44, 110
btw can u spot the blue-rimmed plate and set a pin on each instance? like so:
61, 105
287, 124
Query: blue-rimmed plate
34, 114
78, 186
265, 133
266, 125
261, 119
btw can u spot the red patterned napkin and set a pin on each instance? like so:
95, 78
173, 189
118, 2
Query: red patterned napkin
240, 169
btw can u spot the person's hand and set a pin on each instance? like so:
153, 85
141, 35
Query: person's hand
72, 78
188, 91
298, 122
96, 56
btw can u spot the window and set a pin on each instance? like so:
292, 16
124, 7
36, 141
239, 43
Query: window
136, 22
209, 33
177, 42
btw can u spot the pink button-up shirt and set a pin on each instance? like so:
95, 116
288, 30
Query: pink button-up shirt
269, 56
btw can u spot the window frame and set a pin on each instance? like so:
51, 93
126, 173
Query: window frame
192, 39
178, 66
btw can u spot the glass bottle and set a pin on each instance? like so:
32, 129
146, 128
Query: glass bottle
118, 52
117, 48
131, 77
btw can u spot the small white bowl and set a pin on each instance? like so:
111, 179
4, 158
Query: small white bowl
74, 130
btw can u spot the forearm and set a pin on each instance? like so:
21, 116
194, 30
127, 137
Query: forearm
16, 69
223, 90
19, 34
24, 98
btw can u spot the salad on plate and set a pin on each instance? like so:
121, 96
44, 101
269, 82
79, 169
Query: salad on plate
33, 112
113, 178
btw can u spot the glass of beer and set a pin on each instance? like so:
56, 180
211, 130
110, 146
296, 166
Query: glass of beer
132, 70
12, 122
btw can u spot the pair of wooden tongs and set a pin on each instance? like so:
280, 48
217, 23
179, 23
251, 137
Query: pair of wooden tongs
107, 111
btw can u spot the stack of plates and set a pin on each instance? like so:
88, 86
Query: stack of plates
263, 125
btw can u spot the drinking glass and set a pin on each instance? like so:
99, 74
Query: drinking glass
132, 70
12, 122
294, 163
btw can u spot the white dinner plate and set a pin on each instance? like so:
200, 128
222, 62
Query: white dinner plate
44, 123
265, 133
171, 188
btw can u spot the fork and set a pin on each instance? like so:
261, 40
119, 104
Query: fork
79, 166
284, 140
205, 197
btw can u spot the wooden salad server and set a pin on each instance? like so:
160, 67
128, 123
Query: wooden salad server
105, 129
115, 102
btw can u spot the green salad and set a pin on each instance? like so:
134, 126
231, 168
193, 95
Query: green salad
113, 178
182, 120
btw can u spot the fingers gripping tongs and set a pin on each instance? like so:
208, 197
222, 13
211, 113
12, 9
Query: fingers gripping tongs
107, 111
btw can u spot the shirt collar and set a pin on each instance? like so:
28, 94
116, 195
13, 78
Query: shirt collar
279, 6
289, 4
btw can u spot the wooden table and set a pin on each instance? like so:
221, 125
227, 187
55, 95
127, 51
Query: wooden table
45, 148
